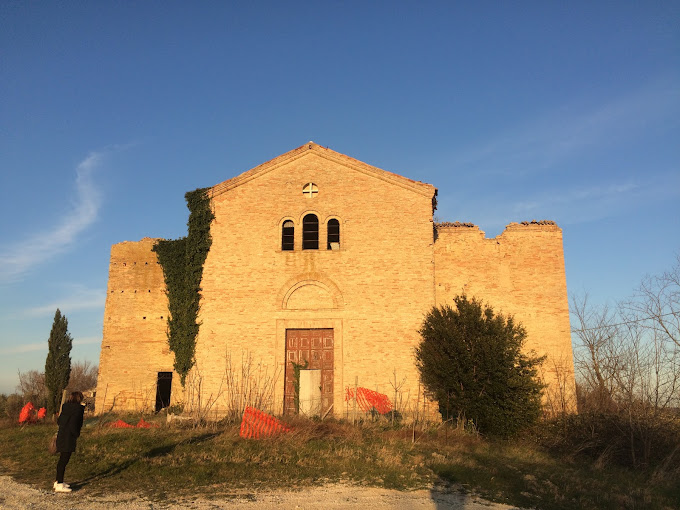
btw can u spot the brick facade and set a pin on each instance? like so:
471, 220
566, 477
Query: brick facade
372, 290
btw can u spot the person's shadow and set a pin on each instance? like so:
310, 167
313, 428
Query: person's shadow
159, 451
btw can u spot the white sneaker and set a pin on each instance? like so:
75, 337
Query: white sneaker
61, 487
64, 484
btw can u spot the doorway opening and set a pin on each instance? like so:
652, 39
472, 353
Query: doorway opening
163, 388
308, 349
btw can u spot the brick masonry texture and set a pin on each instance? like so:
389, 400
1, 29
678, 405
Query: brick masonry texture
373, 291
520, 273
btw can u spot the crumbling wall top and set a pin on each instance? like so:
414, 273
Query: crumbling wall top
456, 224
533, 225
460, 227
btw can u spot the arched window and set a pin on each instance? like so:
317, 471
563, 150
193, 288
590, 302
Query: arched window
310, 232
333, 236
288, 236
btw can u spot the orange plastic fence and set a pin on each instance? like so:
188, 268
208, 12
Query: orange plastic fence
120, 424
369, 399
257, 424
26, 413
145, 424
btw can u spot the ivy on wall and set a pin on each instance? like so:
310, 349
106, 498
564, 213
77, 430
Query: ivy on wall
182, 262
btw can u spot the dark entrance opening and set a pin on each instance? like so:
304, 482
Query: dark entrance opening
163, 386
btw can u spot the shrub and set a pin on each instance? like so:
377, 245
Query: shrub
471, 362
11, 406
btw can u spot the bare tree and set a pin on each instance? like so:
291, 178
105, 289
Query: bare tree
32, 387
83, 376
559, 397
628, 363
652, 319
252, 383
597, 355
656, 305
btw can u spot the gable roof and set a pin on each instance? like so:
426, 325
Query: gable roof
324, 152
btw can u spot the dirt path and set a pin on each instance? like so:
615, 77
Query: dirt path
17, 496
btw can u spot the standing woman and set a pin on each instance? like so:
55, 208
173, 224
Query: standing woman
70, 422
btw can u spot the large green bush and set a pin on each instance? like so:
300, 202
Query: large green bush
472, 363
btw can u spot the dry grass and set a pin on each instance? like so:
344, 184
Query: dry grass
166, 461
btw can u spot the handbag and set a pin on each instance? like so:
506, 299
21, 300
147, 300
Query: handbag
52, 447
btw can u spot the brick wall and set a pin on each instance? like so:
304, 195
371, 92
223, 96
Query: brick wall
134, 346
520, 272
373, 291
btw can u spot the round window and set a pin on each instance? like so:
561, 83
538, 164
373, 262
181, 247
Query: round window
310, 190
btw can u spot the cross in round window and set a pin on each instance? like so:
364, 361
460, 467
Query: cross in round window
310, 190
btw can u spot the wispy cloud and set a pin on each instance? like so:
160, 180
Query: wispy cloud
589, 203
42, 346
577, 197
576, 204
21, 348
544, 142
79, 298
16, 259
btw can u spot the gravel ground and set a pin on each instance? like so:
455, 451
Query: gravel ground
17, 496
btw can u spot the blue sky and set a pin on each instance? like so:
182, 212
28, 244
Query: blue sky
111, 111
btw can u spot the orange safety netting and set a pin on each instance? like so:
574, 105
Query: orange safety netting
145, 424
41, 413
256, 424
120, 424
369, 399
26, 413
142, 424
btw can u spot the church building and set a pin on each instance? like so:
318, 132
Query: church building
320, 261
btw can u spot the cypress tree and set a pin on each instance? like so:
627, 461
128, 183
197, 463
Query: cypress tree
58, 362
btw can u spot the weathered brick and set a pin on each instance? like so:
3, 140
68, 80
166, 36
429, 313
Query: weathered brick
373, 292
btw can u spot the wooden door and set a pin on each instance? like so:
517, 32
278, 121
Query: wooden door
312, 349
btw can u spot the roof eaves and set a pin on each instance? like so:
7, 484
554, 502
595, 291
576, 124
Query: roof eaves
324, 152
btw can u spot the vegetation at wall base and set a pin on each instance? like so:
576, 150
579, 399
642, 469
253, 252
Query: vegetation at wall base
182, 262
608, 438
172, 463
471, 361
58, 362
31, 388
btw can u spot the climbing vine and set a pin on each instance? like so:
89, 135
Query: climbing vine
182, 262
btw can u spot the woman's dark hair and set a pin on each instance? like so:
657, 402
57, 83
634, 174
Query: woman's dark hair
76, 397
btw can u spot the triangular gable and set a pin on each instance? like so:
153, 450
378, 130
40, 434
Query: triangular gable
324, 152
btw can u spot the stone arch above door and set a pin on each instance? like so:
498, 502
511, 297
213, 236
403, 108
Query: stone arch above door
310, 291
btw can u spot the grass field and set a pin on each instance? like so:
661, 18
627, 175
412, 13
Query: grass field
165, 462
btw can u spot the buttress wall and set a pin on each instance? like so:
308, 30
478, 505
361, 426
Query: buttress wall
520, 273
134, 345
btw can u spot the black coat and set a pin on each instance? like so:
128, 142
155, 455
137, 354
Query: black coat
70, 422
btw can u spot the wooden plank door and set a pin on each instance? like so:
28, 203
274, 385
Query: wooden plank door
313, 347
